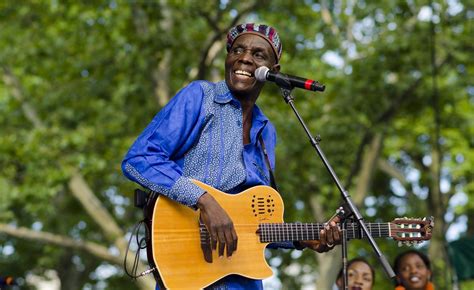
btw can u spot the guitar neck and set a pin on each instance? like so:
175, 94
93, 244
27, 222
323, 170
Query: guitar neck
281, 232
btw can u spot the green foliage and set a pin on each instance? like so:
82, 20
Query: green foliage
88, 71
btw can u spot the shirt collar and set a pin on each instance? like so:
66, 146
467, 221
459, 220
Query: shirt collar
223, 94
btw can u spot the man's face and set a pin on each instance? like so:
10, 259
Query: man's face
248, 52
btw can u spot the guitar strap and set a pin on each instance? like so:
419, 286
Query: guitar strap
267, 161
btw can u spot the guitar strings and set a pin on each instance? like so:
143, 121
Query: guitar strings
307, 231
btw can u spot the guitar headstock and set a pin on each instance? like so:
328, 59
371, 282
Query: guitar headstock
410, 231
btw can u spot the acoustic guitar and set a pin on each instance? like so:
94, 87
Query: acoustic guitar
257, 214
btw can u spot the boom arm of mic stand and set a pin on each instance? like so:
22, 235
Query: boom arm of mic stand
286, 92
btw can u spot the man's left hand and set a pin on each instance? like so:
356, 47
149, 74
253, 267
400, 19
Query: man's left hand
328, 238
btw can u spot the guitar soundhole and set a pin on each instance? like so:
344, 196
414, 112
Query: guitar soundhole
263, 206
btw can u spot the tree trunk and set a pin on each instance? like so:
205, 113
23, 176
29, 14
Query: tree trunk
437, 251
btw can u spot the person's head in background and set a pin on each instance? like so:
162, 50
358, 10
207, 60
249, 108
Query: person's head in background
360, 275
413, 269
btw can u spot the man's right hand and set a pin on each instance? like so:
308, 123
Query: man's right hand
219, 225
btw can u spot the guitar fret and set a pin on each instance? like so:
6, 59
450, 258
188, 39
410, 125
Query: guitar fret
278, 232
298, 230
294, 230
271, 231
266, 231
302, 230
281, 231
284, 232
287, 232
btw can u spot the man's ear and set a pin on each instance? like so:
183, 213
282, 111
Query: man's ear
276, 67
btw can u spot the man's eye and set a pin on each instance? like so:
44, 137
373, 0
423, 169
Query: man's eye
238, 50
259, 55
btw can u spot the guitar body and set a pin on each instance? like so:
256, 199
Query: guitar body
176, 238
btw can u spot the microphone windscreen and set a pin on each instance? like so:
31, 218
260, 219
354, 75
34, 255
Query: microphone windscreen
261, 73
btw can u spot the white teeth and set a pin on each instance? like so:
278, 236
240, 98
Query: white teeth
414, 279
241, 72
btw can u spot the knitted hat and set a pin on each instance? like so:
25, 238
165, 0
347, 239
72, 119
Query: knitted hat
266, 32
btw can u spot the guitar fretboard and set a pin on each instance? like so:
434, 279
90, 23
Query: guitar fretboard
282, 232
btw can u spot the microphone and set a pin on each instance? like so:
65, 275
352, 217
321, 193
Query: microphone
263, 74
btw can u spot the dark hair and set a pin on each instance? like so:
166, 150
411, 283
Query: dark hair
362, 260
398, 259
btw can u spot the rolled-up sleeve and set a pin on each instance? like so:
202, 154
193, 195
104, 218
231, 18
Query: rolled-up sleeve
151, 160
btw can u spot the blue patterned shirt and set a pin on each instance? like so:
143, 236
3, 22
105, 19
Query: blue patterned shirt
198, 135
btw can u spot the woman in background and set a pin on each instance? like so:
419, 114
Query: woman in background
360, 275
413, 270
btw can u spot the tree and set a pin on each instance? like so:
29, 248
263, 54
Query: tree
79, 82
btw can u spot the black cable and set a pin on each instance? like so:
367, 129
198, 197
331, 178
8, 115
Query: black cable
141, 245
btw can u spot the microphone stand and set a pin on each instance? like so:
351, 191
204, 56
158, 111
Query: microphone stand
286, 88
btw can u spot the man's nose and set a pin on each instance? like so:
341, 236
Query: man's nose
246, 55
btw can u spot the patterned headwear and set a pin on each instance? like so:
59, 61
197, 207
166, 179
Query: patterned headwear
266, 32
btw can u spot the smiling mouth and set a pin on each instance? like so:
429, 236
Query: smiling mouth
415, 279
243, 73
